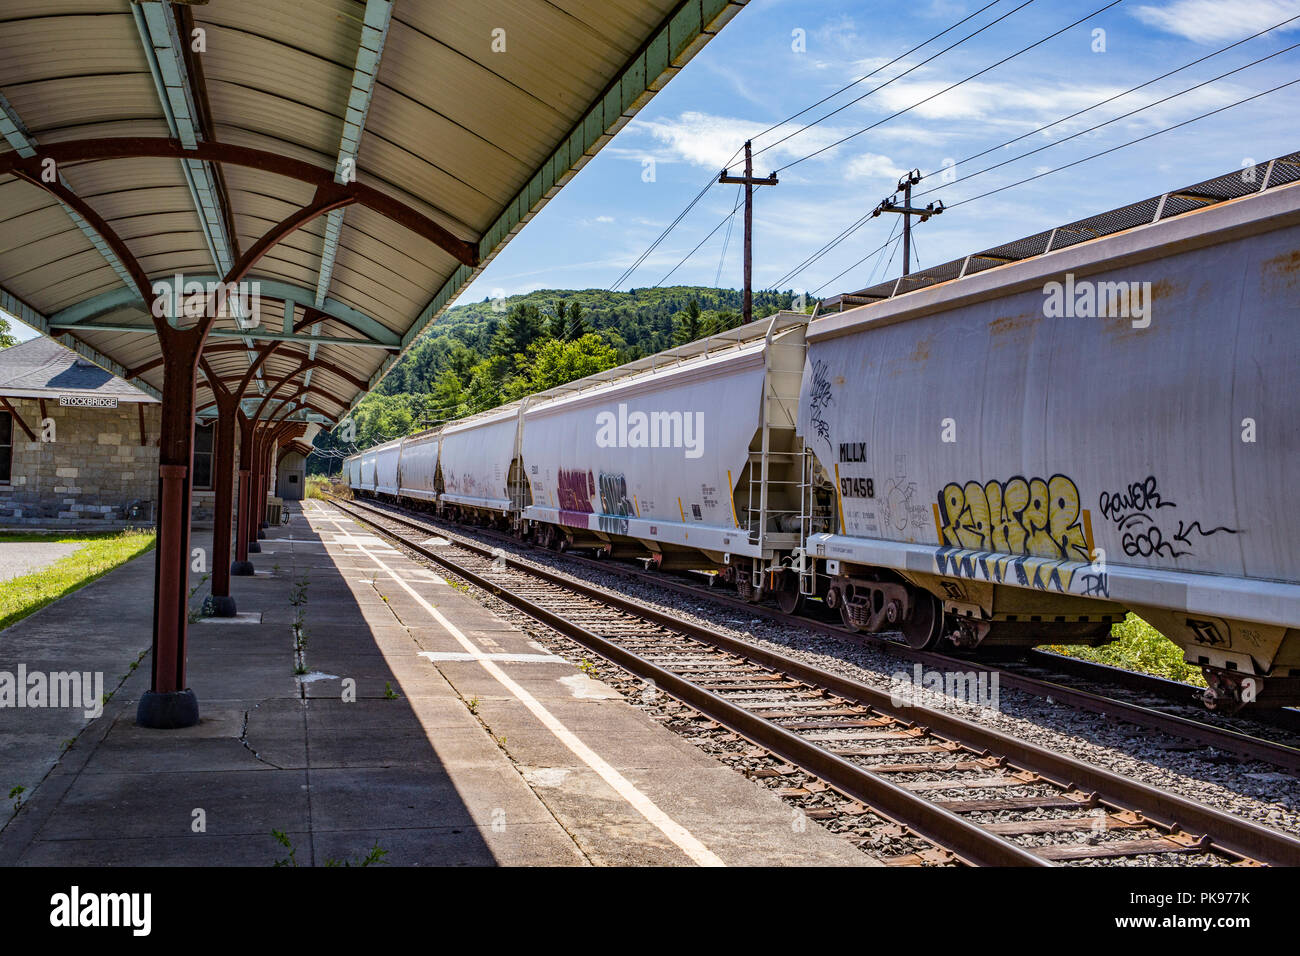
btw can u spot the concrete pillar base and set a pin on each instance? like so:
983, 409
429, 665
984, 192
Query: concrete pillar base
167, 711
219, 605
241, 569
254, 547
261, 534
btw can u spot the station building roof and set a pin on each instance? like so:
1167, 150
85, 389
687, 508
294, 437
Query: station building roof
391, 149
42, 368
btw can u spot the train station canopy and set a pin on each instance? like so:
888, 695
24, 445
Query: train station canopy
368, 157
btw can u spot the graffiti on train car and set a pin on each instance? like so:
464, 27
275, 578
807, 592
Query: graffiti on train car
615, 505
1135, 509
1026, 571
1019, 516
819, 398
575, 488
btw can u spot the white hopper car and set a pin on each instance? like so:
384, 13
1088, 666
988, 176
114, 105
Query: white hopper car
1022, 447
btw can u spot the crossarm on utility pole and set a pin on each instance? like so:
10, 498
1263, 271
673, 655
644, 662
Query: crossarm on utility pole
749, 181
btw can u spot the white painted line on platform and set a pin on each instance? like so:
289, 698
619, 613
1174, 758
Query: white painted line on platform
369, 540
502, 658
241, 617
315, 676
686, 841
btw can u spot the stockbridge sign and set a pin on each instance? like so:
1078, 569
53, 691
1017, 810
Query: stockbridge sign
87, 401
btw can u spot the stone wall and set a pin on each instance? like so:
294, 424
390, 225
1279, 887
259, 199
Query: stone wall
92, 471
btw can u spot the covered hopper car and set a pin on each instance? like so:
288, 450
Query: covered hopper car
1014, 449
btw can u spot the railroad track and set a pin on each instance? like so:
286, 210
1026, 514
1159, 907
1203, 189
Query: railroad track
1154, 695
976, 795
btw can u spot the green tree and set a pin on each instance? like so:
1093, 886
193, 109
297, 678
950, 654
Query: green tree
7, 339
552, 362
688, 326
577, 326
522, 326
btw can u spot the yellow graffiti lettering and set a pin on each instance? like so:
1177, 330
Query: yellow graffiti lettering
1020, 516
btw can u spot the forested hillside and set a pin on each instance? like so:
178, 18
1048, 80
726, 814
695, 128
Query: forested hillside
483, 354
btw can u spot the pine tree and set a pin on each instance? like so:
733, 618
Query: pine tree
688, 326
577, 326
522, 325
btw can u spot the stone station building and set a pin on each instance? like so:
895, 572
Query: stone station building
78, 445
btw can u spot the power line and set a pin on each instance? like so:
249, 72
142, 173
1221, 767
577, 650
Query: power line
894, 79
712, 181
922, 102
726, 239
844, 234
1114, 119
1109, 99
857, 224
1131, 142
680, 216
1085, 159
873, 252
707, 237
863, 79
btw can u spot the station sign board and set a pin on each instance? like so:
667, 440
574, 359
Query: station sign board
87, 401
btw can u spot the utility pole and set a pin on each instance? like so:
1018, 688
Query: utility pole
749, 182
907, 211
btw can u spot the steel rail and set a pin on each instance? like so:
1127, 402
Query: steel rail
1227, 834
1237, 742
972, 843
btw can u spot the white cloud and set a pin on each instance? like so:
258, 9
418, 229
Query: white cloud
1212, 21
709, 141
872, 166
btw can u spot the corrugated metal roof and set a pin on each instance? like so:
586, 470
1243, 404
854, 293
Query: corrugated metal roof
480, 111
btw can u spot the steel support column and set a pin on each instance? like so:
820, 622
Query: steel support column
169, 702
222, 603
241, 566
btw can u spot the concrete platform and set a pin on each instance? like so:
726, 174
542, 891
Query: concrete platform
425, 726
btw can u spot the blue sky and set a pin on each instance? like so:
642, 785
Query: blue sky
750, 77
754, 75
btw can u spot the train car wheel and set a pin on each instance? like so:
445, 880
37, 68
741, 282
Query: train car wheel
788, 598
923, 630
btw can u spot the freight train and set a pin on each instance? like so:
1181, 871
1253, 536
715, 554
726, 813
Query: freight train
1015, 448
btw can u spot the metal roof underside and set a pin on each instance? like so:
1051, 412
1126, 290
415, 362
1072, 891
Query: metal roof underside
189, 156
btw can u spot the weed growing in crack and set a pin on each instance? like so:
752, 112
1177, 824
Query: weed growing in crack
197, 613
375, 856
282, 838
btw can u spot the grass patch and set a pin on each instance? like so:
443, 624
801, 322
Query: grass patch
1138, 647
320, 485
99, 553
